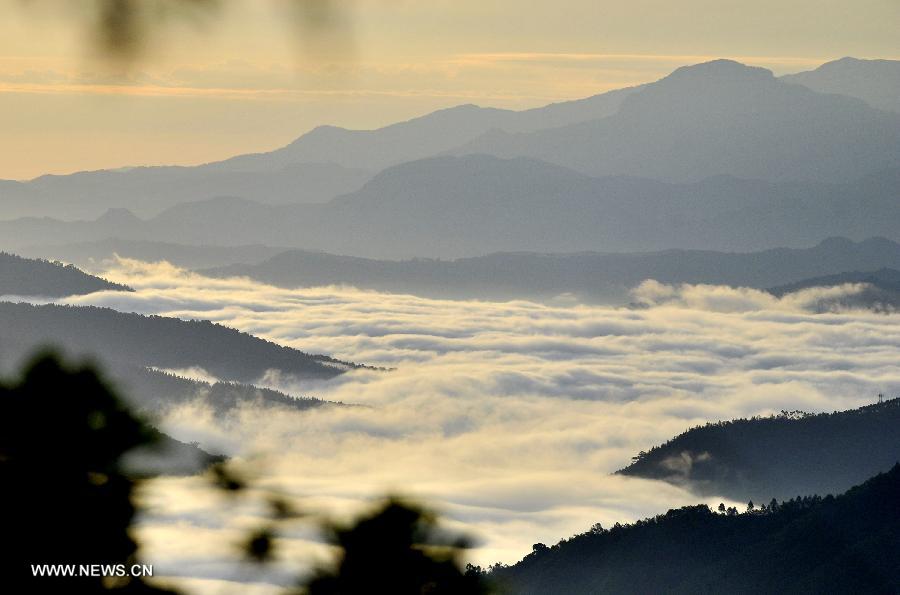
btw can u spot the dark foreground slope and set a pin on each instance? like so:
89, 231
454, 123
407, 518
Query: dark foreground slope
153, 341
781, 456
24, 276
846, 544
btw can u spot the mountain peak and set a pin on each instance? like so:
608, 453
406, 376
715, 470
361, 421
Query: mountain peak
118, 216
721, 70
836, 243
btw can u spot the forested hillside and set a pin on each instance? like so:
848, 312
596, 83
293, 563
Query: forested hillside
24, 276
153, 341
781, 456
153, 392
846, 544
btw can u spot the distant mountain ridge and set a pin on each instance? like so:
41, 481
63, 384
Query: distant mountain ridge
877, 82
718, 118
451, 207
703, 120
327, 161
591, 276
149, 190
427, 135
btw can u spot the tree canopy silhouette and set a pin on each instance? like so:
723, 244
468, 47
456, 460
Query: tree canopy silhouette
65, 497
396, 549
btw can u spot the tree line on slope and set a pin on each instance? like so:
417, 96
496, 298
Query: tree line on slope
843, 544
155, 341
778, 456
38, 277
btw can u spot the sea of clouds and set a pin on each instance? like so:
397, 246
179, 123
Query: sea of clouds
508, 418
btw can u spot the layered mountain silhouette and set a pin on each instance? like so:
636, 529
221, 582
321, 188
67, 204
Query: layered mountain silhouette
149, 190
28, 277
326, 162
719, 118
874, 81
589, 276
467, 206
840, 544
425, 136
782, 456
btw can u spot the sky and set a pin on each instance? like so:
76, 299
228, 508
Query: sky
508, 417
248, 78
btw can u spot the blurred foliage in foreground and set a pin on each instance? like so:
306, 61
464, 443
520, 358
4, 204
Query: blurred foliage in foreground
67, 500
121, 30
397, 549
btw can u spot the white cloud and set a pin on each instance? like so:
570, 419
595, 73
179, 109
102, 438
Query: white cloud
508, 417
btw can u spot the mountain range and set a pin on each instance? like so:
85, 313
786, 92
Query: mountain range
710, 119
874, 81
589, 276
718, 118
450, 207
323, 163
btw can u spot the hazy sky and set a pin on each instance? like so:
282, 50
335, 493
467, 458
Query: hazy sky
244, 81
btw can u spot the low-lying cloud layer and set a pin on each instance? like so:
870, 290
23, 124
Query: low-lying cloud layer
508, 417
